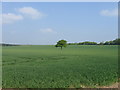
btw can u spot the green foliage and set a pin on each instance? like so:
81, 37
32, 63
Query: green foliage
83, 43
106, 43
2, 44
87, 43
61, 43
73, 43
101, 43
46, 67
114, 42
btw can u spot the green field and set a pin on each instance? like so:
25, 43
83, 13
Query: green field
45, 66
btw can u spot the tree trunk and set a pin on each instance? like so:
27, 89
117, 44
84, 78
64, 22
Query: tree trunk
61, 48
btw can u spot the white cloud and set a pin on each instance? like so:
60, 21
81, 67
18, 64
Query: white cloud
47, 30
31, 12
106, 12
10, 18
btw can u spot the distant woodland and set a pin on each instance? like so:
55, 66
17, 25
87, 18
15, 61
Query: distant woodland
8, 44
113, 42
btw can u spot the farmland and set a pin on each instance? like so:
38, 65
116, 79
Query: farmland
45, 66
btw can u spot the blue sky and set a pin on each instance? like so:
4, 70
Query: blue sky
46, 23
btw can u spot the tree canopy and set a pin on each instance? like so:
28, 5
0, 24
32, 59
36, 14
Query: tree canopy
61, 43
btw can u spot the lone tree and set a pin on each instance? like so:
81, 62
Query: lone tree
61, 43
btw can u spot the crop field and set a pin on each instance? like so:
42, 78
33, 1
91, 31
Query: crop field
45, 66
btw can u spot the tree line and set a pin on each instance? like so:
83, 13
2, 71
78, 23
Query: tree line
63, 43
8, 44
113, 42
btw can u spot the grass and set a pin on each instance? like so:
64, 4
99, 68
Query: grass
45, 66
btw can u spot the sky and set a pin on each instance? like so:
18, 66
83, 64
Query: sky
45, 23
